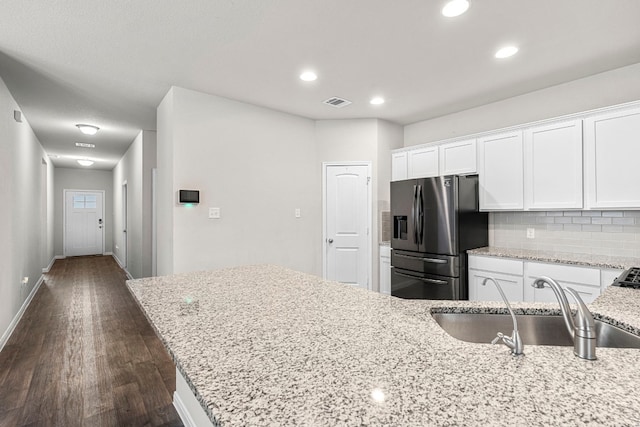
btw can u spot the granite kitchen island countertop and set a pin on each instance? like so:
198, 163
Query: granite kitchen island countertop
265, 345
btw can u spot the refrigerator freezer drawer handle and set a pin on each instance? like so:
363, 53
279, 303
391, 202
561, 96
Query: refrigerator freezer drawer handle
431, 260
424, 279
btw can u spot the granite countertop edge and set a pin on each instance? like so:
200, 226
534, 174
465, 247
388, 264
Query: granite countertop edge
587, 260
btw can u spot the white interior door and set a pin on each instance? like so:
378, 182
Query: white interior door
84, 223
125, 225
347, 224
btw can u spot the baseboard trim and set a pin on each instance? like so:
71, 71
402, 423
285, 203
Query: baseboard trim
53, 260
121, 265
187, 406
16, 319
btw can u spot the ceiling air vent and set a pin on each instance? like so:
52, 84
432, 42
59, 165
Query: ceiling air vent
336, 102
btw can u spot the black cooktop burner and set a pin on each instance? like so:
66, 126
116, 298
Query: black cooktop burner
629, 278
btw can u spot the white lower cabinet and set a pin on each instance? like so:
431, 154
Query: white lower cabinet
508, 273
385, 270
608, 276
516, 277
585, 280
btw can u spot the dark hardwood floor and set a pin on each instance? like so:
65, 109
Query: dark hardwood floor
85, 355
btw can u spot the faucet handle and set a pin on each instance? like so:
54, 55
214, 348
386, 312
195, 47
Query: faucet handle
498, 338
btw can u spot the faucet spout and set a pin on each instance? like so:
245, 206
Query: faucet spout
514, 342
582, 329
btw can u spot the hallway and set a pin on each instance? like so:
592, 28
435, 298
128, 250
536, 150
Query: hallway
85, 355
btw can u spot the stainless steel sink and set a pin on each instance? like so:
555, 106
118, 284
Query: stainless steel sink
534, 329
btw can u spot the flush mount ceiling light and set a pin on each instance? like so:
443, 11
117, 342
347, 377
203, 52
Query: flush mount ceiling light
377, 100
85, 145
308, 76
85, 162
506, 52
455, 8
88, 129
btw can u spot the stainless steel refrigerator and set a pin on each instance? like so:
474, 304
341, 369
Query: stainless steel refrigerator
434, 221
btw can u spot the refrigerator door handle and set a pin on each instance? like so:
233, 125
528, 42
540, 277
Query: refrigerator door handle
424, 279
431, 260
420, 211
414, 214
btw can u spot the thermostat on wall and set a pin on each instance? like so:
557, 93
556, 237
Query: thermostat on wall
189, 196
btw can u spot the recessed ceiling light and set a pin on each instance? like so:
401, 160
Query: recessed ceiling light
308, 76
85, 162
85, 145
506, 52
88, 129
455, 8
377, 100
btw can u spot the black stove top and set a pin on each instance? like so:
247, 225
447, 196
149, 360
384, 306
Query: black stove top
629, 278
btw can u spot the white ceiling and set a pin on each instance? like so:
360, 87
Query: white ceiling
110, 63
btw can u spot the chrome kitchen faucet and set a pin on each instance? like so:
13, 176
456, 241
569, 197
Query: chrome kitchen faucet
514, 342
582, 328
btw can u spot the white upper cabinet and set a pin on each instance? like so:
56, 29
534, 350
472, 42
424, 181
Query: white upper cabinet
500, 170
422, 162
553, 166
612, 145
458, 158
399, 166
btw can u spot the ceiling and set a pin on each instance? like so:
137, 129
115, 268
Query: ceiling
110, 63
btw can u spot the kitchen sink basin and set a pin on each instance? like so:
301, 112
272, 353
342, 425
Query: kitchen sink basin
533, 329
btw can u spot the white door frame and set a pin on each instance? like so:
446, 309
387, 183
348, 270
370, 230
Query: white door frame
125, 224
369, 250
64, 216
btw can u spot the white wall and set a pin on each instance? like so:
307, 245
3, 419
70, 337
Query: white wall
134, 169
257, 165
600, 90
363, 140
82, 179
165, 201
25, 246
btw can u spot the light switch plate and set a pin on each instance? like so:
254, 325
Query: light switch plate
297, 212
531, 233
214, 213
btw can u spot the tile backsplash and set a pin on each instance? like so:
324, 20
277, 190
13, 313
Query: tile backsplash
614, 233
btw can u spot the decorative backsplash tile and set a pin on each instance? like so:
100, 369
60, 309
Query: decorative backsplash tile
614, 233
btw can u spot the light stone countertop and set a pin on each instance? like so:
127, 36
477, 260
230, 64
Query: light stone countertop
268, 346
588, 260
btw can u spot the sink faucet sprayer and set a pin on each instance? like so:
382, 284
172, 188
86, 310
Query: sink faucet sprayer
513, 342
582, 328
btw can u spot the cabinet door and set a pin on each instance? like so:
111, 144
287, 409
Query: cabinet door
608, 276
507, 272
385, 270
553, 166
458, 158
423, 162
612, 144
399, 166
500, 171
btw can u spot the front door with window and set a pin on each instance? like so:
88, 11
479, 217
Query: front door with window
84, 223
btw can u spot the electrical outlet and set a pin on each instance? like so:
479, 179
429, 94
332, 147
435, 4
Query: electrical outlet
531, 233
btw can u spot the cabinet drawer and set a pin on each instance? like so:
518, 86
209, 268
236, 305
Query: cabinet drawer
511, 286
562, 273
587, 293
494, 264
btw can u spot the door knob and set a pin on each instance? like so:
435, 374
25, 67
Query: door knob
330, 240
